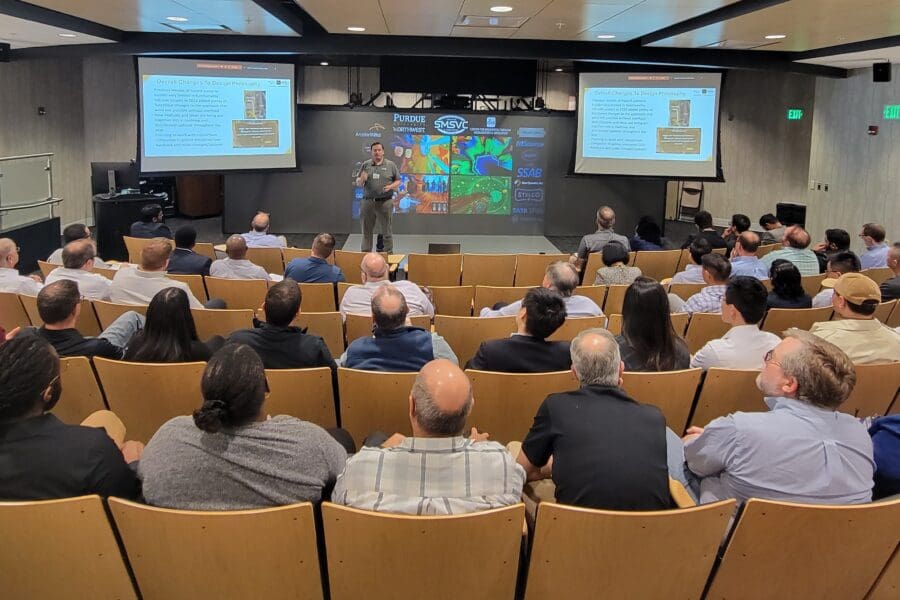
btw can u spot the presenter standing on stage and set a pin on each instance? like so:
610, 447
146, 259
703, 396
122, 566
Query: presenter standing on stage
379, 179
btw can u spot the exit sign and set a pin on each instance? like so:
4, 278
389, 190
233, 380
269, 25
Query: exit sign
892, 112
795, 114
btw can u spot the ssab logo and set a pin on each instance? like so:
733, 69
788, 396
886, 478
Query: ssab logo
451, 124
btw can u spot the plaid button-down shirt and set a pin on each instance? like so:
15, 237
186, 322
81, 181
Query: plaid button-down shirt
707, 300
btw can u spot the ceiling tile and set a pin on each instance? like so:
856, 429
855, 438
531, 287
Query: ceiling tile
483, 32
20, 33
335, 16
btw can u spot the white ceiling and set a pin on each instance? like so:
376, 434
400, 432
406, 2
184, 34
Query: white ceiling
19, 33
858, 60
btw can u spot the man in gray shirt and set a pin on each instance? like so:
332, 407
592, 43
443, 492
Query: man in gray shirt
379, 179
594, 242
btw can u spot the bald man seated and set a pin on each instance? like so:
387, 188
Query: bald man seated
437, 471
236, 265
375, 273
78, 263
259, 236
10, 278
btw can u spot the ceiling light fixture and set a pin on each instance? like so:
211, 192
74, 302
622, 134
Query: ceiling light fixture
67, 35
606, 36
356, 28
558, 69
177, 19
501, 9
324, 63
776, 36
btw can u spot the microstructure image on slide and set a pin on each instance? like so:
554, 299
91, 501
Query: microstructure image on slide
254, 104
423, 194
428, 154
481, 155
480, 195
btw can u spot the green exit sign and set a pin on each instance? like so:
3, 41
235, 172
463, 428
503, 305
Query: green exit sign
795, 114
892, 112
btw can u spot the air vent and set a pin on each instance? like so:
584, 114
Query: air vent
188, 28
476, 21
740, 45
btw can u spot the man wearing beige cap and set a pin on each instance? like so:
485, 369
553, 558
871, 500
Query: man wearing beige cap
858, 333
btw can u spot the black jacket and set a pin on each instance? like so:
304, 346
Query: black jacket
521, 354
188, 262
139, 229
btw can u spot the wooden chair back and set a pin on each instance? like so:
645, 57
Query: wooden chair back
720, 251
875, 390
597, 293
704, 327
46, 268
210, 322
575, 325
107, 312
763, 250
672, 391
581, 551
205, 249
342, 288
488, 296
238, 293
594, 262
303, 393
726, 391
888, 585
779, 319
473, 555
12, 312
327, 325
812, 283
658, 264
879, 274
349, 263
434, 269
856, 537
317, 297
86, 324
884, 309
530, 268
357, 326
268, 258
147, 395
108, 273
497, 270
195, 282
61, 549
136, 245
81, 394
167, 548
374, 401
453, 300
614, 324
615, 299
686, 290
505, 403
684, 260
465, 334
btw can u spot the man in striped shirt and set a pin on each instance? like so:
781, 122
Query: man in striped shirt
437, 471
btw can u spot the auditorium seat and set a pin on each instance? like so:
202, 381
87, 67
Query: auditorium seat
581, 553
374, 401
349, 263
46, 268
777, 320
108, 273
702, 328
879, 275
672, 391
887, 587
342, 288
107, 312
597, 293
812, 284
572, 326
170, 550
686, 290
894, 319
725, 391
303, 393
327, 325
530, 268
453, 300
684, 260
205, 249
269, 259
136, 245
86, 324
195, 282
505, 403
210, 322
380, 555
615, 298
658, 264
434, 269
317, 297
465, 334
763, 250
487, 296
780, 550
875, 389
594, 262
81, 394
238, 293
497, 270
61, 549
290, 254
884, 310
12, 313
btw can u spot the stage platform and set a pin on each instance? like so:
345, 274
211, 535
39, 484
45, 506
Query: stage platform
473, 244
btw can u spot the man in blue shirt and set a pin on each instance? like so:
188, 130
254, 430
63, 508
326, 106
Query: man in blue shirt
316, 269
743, 257
876, 252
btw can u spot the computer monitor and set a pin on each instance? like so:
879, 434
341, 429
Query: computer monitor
117, 175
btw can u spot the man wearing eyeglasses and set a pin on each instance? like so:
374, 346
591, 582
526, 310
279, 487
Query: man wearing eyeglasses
876, 253
802, 449
10, 279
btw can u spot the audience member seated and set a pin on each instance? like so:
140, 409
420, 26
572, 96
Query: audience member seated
858, 332
41, 458
10, 280
890, 289
184, 261
704, 222
836, 240
648, 341
236, 265
803, 449
78, 261
375, 273
169, 334
716, 271
787, 290
59, 305
739, 224
607, 450
528, 350
796, 250
594, 242
231, 455
316, 269
693, 273
151, 224
744, 261
647, 235
743, 347
259, 236
395, 345
838, 264
616, 271
73, 232
877, 249
885, 432
773, 230
437, 471
562, 278
279, 344
138, 285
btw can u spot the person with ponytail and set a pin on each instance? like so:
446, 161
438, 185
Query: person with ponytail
230, 455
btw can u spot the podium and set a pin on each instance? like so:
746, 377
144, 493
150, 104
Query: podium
113, 216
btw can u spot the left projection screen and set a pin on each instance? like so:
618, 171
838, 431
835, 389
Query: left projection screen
211, 115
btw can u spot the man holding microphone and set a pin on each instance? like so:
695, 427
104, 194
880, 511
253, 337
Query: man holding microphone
379, 179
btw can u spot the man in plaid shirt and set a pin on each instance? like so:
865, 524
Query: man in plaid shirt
437, 471
716, 271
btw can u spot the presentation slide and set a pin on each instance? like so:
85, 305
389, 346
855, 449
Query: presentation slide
210, 115
650, 124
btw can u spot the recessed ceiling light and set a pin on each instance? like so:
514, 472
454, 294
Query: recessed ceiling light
558, 69
67, 35
324, 63
356, 29
501, 9
606, 36
776, 36
177, 19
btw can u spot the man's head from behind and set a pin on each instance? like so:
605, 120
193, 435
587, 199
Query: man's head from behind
59, 302
374, 268
716, 270
155, 255
796, 237
389, 309
842, 262
185, 237
440, 401
151, 213
9, 254
596, 359
29, 377
236, 247
807, 368
893, 259
746, 244
872, 234
606, 217
855, 296
282, 303
740, 223
744, 302
703, 220
836, 239
323, 245
75, 231
79, 254
562, 277
699, 248
260, 222
543, 312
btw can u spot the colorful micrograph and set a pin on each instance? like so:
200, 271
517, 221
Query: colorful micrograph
423, 194
427, 154
481, 155
480, 195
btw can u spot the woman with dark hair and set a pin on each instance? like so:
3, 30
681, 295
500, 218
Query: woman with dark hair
616, 271
647, 235
648, 341
787, 292
230, 455
169, 334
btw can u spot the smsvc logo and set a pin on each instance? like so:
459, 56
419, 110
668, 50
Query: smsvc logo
451, 124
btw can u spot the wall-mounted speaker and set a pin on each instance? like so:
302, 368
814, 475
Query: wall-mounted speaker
4, 53
881, 72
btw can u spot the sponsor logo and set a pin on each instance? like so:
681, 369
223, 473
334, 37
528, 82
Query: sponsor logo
528, 144
451, 124
368, 134
529, 172
529, 155
377, 127
530, 195
490, 122
531, 132
401, 118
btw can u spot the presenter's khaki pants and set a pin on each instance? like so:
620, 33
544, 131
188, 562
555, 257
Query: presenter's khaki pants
372, 212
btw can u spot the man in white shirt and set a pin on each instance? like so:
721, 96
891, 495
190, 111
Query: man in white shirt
76, 231
743, 257
139, 285
236, 266
259, 236
561, 277
358, 299
838, 264
10, 279
78, 260
693, 273
744, 346
876, 253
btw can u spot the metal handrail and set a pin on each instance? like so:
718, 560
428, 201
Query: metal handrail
46, 202
25, 156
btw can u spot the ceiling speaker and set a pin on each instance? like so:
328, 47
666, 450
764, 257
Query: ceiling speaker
4, 53
881, 72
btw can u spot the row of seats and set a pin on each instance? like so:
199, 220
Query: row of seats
74, 548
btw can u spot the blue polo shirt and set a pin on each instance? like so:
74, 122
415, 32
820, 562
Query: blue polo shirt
313, 270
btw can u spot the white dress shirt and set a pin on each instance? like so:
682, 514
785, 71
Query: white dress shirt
259, 239
11, 281
743, 347
691, 274
236, 269
358, 298
56, 259
91, 285
134, 286
576, 306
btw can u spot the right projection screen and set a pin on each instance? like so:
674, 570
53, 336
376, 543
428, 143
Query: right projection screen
648, 124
